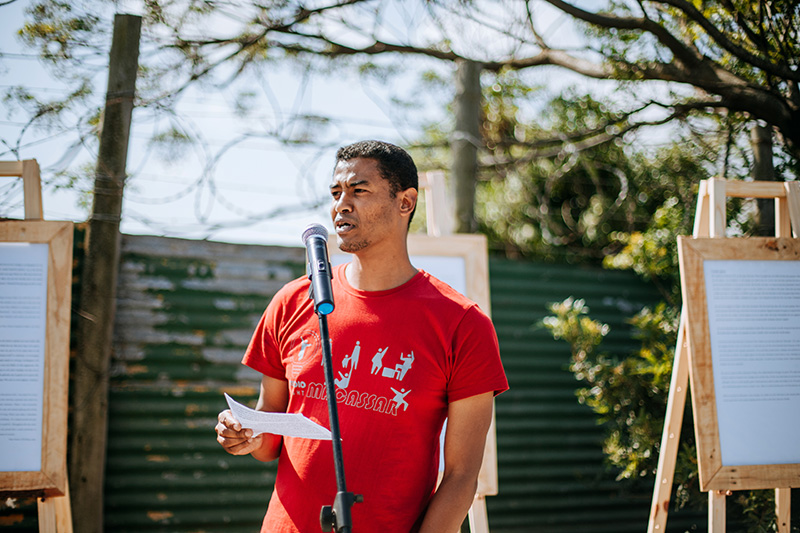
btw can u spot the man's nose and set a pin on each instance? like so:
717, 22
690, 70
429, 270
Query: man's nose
343, 204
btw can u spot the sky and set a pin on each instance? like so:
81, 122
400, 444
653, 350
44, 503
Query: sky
250, 179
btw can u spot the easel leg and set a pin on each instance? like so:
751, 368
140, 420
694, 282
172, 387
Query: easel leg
716, 511
787, 214
783, 509
783, 226
55, 513
478, 517
32, 188
793, 206
668, 455
47, 515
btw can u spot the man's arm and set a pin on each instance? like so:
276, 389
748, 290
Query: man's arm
468, 423
273, 398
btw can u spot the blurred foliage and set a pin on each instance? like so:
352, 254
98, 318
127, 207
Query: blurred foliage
628, 394
570, 179
699, 43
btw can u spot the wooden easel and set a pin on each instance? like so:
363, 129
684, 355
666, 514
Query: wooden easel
710, 221
441, 224
55, 513
28, 170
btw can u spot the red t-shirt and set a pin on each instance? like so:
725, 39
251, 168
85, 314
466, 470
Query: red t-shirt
399, 356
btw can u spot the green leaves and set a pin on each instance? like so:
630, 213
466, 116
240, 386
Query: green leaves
628, 394
59, 29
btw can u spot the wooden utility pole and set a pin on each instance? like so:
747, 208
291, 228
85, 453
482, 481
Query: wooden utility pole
465, 142
98, 284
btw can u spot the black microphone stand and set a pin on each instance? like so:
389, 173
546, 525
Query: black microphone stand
337, 517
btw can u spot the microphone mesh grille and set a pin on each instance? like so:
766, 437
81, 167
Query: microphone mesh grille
315, 229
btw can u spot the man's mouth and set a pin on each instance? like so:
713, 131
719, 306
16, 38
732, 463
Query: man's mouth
343, 227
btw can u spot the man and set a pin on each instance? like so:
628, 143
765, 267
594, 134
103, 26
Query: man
390, 419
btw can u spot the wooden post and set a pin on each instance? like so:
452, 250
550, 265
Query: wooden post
465, 142
32, 187
478, 517
670, 437
55, 515
99, 282
718, 219
792, 206
438, 215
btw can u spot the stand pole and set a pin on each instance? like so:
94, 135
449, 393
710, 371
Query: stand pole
337, 517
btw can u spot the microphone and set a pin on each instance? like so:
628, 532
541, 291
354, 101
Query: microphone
315, 237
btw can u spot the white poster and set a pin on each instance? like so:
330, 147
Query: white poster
450, 269
754, 325
23, 318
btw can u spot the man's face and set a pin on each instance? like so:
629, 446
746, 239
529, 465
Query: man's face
364, 212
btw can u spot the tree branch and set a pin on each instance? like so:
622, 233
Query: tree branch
758, 62
244, 42
596, 136
334, 49
757, 39
529, 19
550, 56
682, 53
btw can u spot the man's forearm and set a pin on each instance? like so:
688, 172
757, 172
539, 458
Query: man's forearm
270, 447
450, 504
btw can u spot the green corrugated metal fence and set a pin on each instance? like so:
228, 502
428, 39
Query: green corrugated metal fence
185, 315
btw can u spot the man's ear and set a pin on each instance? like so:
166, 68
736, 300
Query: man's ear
408, 200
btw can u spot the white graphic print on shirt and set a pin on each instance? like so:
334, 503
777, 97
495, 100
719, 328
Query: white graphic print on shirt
309, 341
307, 345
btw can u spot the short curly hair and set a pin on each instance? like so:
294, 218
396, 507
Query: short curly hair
394, 163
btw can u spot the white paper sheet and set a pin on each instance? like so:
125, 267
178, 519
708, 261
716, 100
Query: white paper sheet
286, 424
23, 317
754, 325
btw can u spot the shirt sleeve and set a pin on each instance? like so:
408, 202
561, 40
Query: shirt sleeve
477, 367
263, 352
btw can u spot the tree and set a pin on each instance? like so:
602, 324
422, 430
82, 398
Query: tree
740, 56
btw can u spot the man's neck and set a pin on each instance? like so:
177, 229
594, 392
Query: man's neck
379, 272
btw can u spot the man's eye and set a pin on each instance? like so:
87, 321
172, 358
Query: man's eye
336, 195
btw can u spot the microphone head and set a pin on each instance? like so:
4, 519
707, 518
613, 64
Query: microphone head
315, 229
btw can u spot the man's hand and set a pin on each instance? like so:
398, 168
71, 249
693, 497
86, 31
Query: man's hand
273, 398
235, 439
